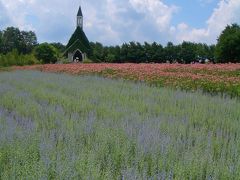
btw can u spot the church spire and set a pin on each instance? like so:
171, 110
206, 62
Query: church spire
80, 18
79, 11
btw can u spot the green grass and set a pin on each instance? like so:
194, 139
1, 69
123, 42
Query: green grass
4, 69
58, 126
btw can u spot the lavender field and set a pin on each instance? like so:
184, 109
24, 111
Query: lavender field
58, 126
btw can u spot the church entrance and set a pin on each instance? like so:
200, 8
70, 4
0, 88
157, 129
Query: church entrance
77, 56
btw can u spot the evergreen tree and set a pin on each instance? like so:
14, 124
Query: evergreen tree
172, 53
124, 53
157, 53
188, 52
97, 52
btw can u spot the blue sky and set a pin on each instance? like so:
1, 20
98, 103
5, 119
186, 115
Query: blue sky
193, 12
113, 22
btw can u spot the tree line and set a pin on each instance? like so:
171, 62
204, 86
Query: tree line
226, 50
134, 52
21, 47
12, 38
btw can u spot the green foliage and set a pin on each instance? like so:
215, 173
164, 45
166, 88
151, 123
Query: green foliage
172, 53
15, 59
63, 60
227, 50
57, 126
29, 41
156, 53
228, 46
203, 51
188, 52
135, 52
12, 38
1, 41
46, 53
87, 61
16, 47
110, 58
59, 46
97, 52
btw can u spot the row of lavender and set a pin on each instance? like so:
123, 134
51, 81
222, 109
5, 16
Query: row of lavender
57, 126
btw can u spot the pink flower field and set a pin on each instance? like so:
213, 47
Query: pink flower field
223, 78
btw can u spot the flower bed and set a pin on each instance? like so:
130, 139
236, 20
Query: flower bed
213, 78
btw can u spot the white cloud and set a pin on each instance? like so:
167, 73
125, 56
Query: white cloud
4, 20
114, 21
156, 11
182, 27
227, 12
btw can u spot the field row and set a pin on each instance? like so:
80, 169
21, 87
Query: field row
58, 126
213, 78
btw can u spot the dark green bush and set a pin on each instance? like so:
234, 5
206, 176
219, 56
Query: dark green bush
46, 53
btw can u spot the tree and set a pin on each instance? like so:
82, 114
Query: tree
188, 52
124, 53
112, 54
136, 52
172, 53
201, 51
11, 39
46, 53
1, 42
28, 41
97, 52
22, 41
228, 45
212, 49
157, 55
59, 46
116, 51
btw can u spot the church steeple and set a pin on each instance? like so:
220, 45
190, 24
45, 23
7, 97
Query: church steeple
80, 18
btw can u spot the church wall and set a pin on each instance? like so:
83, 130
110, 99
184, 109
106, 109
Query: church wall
70, 57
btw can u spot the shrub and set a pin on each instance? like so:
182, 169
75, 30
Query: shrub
15, 59
63, 60
46, 53
87, 61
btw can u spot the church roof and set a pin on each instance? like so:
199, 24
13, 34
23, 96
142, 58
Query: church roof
80, 40
76, 45
79, 12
